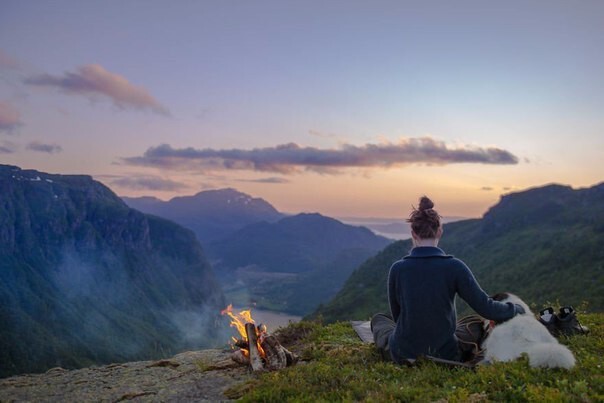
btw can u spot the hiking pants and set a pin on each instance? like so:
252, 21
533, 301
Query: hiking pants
469, 332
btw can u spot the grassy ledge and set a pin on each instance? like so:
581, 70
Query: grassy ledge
338, 367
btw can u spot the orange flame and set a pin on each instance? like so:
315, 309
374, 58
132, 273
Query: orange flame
238, 321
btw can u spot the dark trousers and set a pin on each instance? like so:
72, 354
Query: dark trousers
470, 333
382, 327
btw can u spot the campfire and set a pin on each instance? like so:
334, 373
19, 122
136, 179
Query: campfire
256, 347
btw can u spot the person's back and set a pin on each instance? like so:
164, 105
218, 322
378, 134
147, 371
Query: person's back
421, 293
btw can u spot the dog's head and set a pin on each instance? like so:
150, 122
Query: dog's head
508, 297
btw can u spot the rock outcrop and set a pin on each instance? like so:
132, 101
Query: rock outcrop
190, 376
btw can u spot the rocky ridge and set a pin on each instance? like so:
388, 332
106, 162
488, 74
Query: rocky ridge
202, 375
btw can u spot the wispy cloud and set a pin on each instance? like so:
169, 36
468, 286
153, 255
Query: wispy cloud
7, 62
272, 180
93, 80
6, 147
486, 188
9, 118
291, 157
44, 148
147, 182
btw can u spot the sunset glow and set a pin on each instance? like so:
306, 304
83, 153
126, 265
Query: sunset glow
350, 109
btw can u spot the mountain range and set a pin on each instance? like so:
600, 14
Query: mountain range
212, 214
84, 279
291, 265
543, 244
264, 257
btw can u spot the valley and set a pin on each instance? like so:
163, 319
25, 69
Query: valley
88, 280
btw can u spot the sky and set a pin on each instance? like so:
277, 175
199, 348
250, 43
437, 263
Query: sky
346, 108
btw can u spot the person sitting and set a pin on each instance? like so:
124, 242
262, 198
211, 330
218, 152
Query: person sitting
421, 293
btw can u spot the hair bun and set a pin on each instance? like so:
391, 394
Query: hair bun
425, 203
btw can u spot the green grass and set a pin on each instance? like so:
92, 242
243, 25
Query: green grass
336, 366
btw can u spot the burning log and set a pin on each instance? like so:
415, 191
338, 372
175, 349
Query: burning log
274, 353
255, 359
257, 349
242, 344
240, 358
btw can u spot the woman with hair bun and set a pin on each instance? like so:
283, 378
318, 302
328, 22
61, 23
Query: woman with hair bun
421, 293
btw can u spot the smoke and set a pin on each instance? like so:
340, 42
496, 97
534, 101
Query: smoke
94, 296
82, 276
118, 314
200, 328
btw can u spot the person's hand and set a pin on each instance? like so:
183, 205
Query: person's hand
518, 310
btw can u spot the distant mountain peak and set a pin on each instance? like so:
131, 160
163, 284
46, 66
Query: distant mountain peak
211, 214
226, 195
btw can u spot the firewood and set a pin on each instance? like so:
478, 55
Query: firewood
255, 359
291, 358
275, 354
242, 344
240, 358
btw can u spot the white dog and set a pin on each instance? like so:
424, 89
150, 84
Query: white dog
524, 334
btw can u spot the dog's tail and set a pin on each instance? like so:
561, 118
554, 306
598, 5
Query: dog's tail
550, 355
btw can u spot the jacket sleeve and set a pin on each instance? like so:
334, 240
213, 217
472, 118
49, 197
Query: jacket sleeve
469, 290
393, 298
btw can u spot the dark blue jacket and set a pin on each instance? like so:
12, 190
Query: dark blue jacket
421, 292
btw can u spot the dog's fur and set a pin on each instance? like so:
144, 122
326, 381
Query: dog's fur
524, 334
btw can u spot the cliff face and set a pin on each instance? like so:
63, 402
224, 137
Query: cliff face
84, 279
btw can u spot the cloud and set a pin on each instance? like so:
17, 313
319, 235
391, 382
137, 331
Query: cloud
9, 118
44, 148
7, 62
292, 158
93, 80
486, 188
7, 147
273, 180
147, 182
